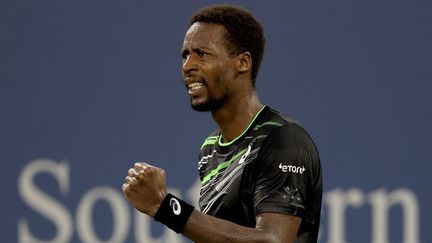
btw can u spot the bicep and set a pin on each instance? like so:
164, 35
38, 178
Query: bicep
279, 227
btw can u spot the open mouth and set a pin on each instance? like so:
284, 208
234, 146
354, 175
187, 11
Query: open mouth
195, 86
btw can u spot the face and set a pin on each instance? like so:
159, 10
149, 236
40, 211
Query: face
207, 66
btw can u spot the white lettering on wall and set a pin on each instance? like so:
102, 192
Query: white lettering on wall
336, 201
42, 203
119, 209
381, 201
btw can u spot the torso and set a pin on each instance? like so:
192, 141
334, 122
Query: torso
230, 176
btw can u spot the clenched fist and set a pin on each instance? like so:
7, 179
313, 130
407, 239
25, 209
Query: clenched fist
145, 187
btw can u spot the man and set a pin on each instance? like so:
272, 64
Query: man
260, 172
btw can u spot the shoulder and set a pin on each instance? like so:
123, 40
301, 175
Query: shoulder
285, 131
290, 135
211, 139
289, 143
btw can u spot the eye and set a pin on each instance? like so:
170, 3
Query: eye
202, 54
184, 55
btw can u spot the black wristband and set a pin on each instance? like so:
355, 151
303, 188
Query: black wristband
174, 213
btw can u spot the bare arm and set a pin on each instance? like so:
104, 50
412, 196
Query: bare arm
145, 189
270, 227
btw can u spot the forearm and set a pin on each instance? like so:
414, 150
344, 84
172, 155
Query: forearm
202, 228
145, 188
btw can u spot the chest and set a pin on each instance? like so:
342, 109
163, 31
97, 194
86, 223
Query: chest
227, 183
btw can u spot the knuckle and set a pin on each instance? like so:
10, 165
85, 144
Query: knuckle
126, 189
140, 164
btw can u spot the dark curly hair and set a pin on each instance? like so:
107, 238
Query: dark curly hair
244, 32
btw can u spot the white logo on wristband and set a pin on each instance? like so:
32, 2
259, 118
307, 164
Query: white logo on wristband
175, 205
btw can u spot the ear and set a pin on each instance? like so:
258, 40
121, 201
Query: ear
244, 62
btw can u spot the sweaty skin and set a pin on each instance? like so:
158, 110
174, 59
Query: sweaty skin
219, 82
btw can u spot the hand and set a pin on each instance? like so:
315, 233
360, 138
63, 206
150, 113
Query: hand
145, 187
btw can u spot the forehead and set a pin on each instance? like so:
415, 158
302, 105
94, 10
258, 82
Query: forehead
202, 34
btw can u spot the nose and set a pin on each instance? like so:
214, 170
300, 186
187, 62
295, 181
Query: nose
189, 64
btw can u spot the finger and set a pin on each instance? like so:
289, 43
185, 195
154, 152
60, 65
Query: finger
128, 179
140, 166
132, 172
124, 187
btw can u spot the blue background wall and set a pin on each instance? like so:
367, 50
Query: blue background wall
89, 87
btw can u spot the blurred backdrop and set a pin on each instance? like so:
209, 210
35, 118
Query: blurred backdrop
89, 87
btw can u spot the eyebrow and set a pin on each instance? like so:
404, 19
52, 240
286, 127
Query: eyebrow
196, 49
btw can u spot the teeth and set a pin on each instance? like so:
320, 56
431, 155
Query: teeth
195, 85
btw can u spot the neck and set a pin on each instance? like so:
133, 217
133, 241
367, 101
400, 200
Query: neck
236, 115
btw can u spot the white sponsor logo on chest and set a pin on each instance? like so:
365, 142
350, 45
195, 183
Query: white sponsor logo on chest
292, 168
